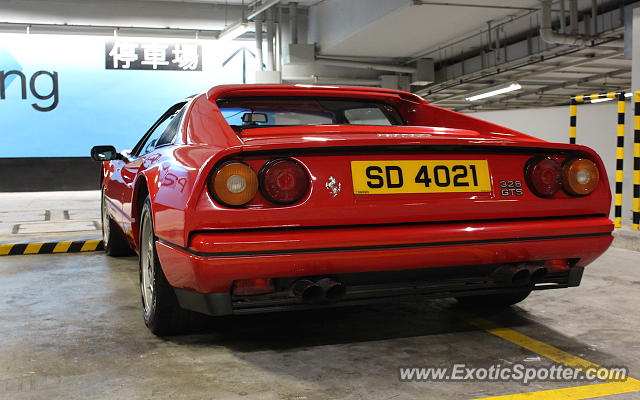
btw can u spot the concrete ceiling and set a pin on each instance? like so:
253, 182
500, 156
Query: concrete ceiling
405, 28
120, 13
548, 82
451, 32
235, 2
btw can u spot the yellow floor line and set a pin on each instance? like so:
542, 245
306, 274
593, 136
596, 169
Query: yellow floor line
575, 393
543, 349
559, 356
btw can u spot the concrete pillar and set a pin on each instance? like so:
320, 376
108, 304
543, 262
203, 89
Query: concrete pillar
259, 59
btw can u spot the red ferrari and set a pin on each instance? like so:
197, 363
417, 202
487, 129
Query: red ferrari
258, 198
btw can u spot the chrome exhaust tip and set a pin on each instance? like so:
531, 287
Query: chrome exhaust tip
333, 290
307, 291
538, 273
518, 275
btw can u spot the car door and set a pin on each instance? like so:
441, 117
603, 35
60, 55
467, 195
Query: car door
143, 156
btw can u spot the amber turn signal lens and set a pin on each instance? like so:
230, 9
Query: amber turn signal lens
234, 184
580, 176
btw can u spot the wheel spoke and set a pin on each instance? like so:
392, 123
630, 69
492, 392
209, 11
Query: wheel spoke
147, 265
105, 221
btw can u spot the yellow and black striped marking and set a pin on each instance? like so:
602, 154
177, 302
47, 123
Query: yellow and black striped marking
583, 98
573, 112
619, 161
50, 248
573, 115
636, 161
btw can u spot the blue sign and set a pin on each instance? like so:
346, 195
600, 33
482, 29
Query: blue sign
58, 98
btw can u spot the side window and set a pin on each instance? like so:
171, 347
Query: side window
172, 129
151, 139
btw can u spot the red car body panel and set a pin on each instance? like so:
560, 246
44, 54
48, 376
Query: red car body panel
204, 246
316, 251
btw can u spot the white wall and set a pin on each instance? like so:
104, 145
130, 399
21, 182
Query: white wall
596, 129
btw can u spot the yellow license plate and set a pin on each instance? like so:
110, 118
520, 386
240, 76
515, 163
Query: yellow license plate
420, 176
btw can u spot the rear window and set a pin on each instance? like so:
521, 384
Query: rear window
257, 112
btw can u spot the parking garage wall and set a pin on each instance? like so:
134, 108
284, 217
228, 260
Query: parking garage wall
596, 129
62, 94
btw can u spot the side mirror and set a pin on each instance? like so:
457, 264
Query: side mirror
104, 153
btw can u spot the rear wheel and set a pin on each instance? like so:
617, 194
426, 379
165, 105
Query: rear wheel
114, 241
494, 300
162, 314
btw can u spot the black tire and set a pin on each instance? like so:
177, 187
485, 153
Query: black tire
500, 300
163, 316
114, 241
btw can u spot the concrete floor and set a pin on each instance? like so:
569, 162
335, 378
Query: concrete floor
72, 329
28, 217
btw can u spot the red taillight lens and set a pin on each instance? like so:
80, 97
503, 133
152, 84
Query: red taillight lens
283, 181
544, 176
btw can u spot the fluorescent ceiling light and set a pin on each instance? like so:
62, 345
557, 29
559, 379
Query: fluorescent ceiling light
601, 100
233, 31
494, 91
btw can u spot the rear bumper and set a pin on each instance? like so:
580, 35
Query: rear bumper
214, 260
365, 292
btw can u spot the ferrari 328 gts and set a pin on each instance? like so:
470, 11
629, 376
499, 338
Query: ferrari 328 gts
259, 198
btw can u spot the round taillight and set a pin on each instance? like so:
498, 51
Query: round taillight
544, 176
283, 181
580, 176
234, 183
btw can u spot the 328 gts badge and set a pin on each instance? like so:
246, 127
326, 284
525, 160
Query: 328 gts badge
511, 188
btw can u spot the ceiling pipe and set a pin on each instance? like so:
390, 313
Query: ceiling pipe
107, 30
474, 5
528, 75
365, 65
567, 84
262, 8
550, 36
271, 60
259, 58
573, 16
594, 17
279, 39
293, 22
563, 17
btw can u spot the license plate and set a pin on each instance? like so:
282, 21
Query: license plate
420, 176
